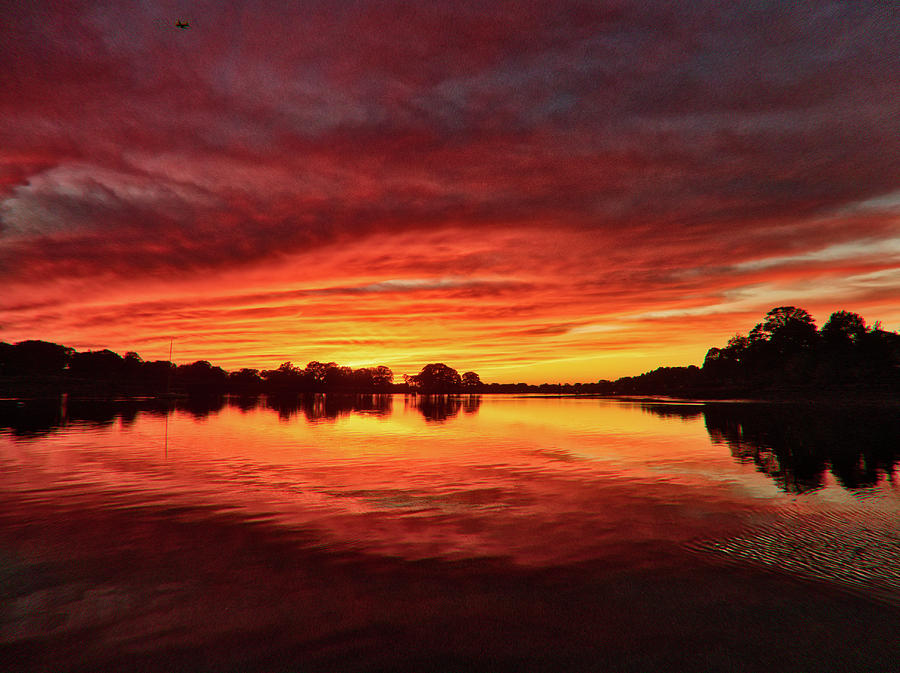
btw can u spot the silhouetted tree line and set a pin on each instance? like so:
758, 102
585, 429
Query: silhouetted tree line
783, 353
796, 445
46, 365
439, 378
51, 366
315, 377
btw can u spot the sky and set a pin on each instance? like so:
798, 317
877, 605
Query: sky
536, 191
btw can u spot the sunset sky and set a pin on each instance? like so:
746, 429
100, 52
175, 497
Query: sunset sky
537, 191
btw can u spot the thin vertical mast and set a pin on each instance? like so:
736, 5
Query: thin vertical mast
169, 377
168, 393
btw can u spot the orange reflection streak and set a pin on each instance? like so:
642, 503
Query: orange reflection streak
523, 479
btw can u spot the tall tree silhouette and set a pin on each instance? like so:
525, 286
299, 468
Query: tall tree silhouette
436, 378
35, 357
201, 377
787, 328
843, 327
471, 381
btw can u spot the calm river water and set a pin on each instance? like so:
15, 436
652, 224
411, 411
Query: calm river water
494, 533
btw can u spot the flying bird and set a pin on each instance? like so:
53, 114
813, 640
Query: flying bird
182, 24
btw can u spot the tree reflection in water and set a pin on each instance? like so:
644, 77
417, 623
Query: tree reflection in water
319, 407
31, 419
796, 444
39, 417
439, 408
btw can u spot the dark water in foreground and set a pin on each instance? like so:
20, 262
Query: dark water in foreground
449, 534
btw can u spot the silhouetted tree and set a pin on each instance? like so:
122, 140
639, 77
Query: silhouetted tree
201, 377
245, 381
36, 357
840, 356
436, 378
471, 381
157, 374
338, 378
727, 364
132, 365
382, 377
737, 348
713, 356
786, 329
783, 349
286, 379
317, 373
879, 356
844, 327
372, 378
104, 364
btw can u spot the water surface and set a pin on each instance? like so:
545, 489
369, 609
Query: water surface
448, 533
